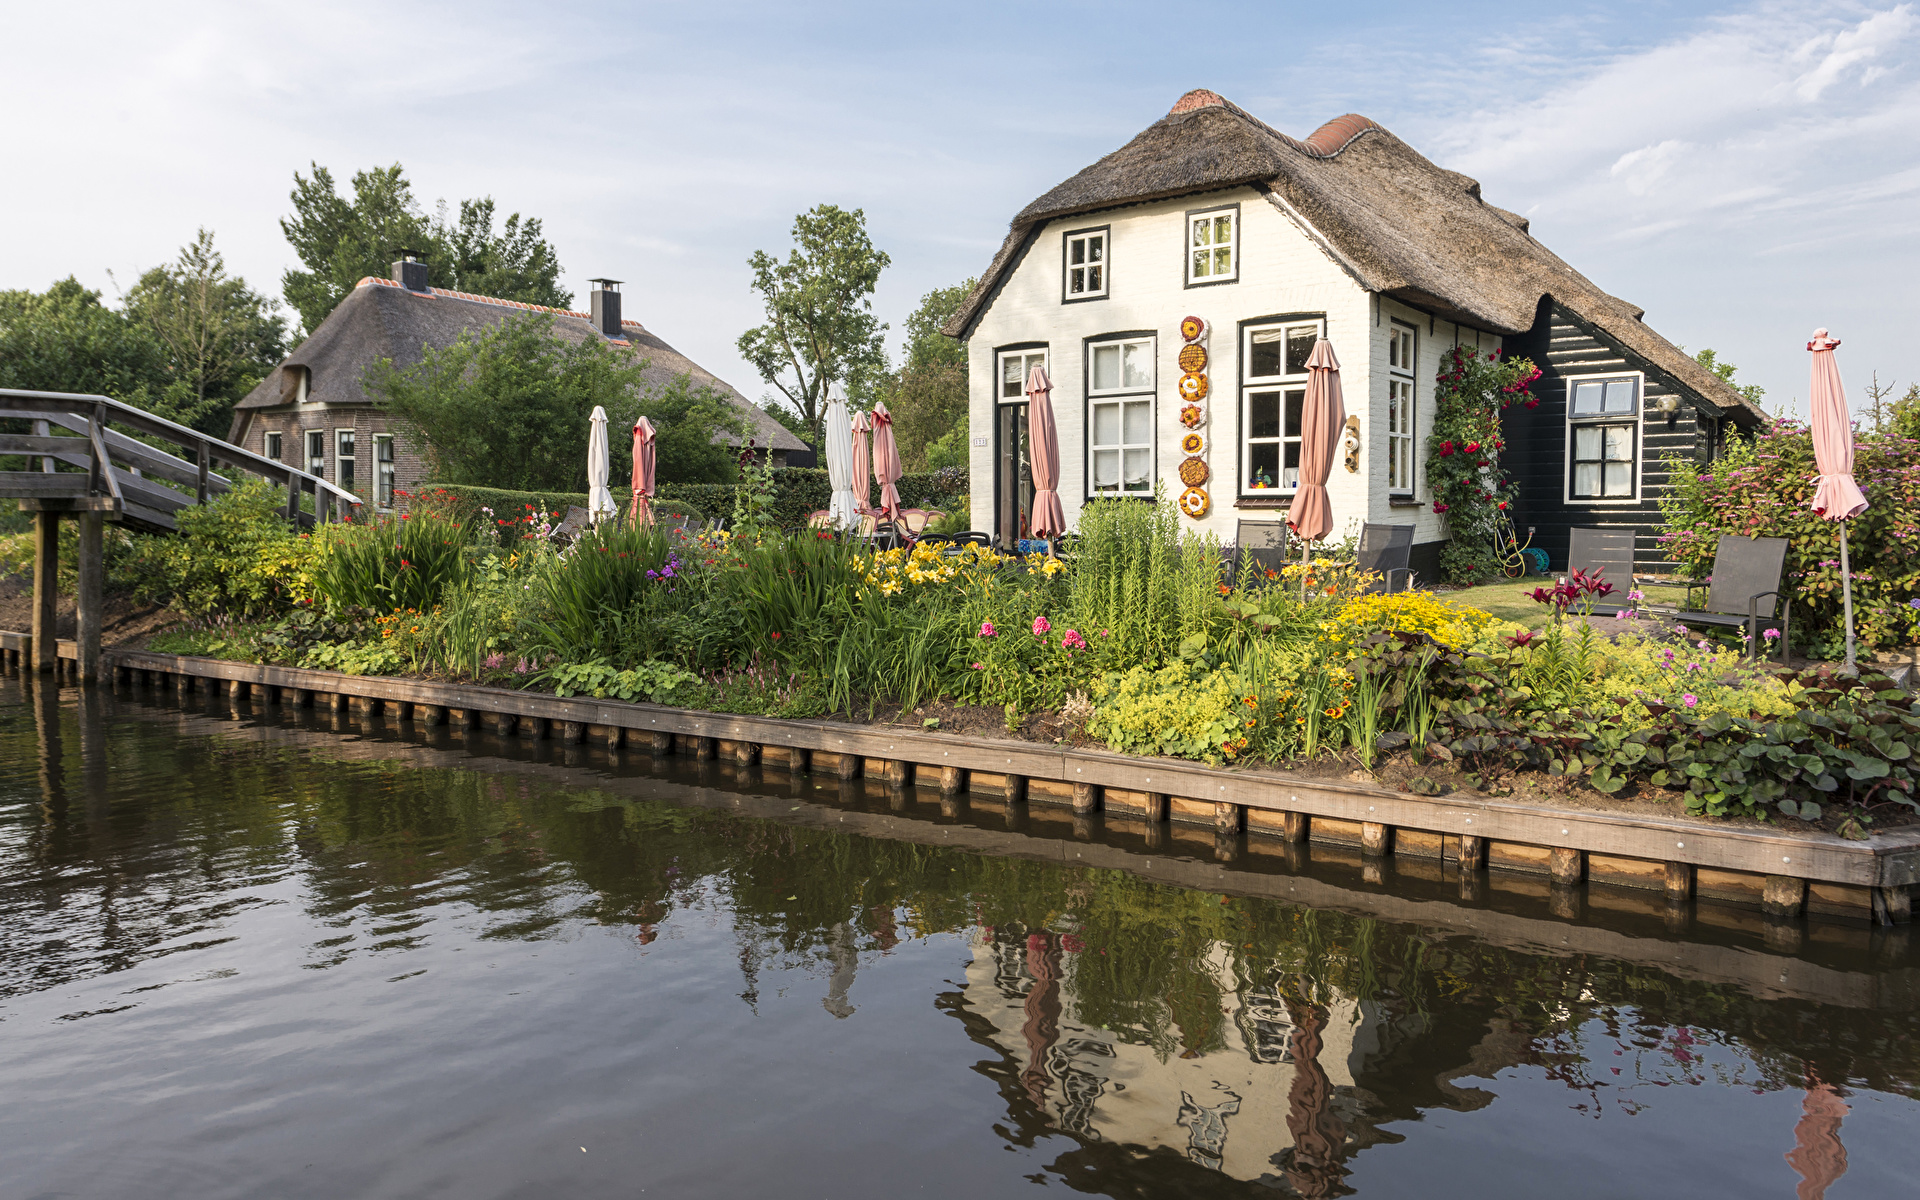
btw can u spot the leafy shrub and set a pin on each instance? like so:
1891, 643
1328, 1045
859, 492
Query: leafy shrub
649, 681
236, 555
1463, 454
1177, 710
1404, 612
1762, 489
390, 562
607, 593
465, 503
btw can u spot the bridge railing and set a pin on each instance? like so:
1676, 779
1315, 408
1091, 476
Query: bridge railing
121, 472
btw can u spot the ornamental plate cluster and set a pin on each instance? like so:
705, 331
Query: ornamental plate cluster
1194, 472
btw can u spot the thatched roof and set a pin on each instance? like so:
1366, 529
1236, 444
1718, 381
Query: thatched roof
380, 319
1399, 224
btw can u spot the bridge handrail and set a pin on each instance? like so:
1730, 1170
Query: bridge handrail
64, 404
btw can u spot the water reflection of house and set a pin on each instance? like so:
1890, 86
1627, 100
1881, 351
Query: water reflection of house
1274, 1096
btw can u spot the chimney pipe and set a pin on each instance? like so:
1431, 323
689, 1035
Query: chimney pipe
409, 272
606, 307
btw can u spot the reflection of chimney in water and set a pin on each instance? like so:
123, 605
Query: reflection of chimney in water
845, 962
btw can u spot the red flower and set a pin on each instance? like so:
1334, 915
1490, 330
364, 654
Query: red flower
1473, 447
1439, 507
1503, 506
775, 635
1446, 448
1533, 404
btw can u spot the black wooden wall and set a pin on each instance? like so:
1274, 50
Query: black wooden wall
1562, 345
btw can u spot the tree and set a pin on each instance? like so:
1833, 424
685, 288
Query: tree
1903, 418
928, 397
221, 336
1726, 370
820, 325
508, 408
926, 345
791, 420
65, 340
342, 241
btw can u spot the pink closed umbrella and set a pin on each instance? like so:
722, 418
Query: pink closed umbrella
1835, 495
862, 481
1043, 441
886, 462
1322, 415
640, 512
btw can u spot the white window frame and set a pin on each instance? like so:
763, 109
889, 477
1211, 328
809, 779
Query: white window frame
271, 443
383, 471
1403, 364
1282, 383
307, 456
1636, 422
1101, 268
1026, 357
1187, 244
341, 476
1118, 398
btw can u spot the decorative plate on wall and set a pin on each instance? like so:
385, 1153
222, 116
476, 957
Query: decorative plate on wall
1194, 472
1193, 443
1192, 328
1193, 387
1192, 415
1193, 358
1194, 502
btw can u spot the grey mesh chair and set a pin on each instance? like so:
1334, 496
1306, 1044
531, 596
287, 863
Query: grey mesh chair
1607, 553
1746, 571
1385, 549
1258, 547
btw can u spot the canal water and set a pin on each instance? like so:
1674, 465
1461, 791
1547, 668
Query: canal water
265, 953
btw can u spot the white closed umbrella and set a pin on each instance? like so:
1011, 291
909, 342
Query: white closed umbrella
843, 510
599, 499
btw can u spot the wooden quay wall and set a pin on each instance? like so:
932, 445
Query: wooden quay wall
1786, 874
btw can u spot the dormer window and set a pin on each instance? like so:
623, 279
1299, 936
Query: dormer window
1086, 265
1213, 246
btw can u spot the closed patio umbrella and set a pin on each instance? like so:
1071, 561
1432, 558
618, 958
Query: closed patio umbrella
1043, 439
600, 504
862, 465
1835, 495
842, 509
1322, 415
886, 462
641, 511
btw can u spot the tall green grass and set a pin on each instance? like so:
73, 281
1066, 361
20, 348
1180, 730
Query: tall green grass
391, 563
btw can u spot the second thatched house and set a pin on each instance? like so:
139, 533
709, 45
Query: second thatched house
312, 410
1174, 289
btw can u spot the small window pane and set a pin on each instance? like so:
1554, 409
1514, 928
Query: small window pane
1586, 444
1200, 261
1619, 479
1619, 443
1139, 423
1620, 396
1093, 279
1222, 230
1263, 415
1010, 376
1295, 398
1076, 281
1137, 359
1290, 469
1263, 465
1096, 247
1587, 399
1106, 368
1106, 468
1263, 356
1202, 230
1077, 251
1106, 424
1223, 262
1300, 340
1586, 479
1139, 466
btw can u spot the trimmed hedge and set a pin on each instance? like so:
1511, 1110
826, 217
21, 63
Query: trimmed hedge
801, 490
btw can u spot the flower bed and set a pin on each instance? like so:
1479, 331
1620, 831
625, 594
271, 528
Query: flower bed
1136, 642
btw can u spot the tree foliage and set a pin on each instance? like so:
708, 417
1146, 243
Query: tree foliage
342, 240
1726, 371
820, 326
926, 345
928, 395
221, 337
508, 408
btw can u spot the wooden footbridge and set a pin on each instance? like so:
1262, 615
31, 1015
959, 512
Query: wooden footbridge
98, 463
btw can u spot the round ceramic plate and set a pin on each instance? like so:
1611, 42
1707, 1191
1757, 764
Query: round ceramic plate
1194, 472
1193, 359
1194, 502
1193, 443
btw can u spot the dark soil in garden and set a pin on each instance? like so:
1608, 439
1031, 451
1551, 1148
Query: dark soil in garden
126, 621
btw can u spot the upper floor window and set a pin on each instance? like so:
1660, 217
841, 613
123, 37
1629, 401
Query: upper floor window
1273, 389
1400, 408
317, 453
1120, 394
1603, 435
1015, 366
271, 446
1086, 265
1213, 246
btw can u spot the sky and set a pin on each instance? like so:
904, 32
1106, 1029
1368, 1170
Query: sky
1743, 172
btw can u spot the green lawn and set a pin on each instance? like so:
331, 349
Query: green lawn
1510, 600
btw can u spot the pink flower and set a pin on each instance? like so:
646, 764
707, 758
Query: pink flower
1040, 626
986, 629
1770, 634
1689, 699
1073, 641
979, 666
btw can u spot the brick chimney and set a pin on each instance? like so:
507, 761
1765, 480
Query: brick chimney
409, 272
606, 307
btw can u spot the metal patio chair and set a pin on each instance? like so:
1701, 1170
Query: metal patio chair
1258, 547
1607, 553
1385, 549
1746, 571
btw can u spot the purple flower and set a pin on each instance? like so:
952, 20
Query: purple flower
1770, 634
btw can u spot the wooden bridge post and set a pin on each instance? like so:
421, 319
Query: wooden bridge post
92, 599
46, 588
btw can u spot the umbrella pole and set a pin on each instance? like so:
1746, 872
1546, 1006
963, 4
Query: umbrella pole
1846, 592
1306, 559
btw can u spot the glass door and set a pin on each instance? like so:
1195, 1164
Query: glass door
1013, 506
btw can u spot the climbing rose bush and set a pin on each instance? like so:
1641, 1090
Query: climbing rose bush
1762, 489
1463, 454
